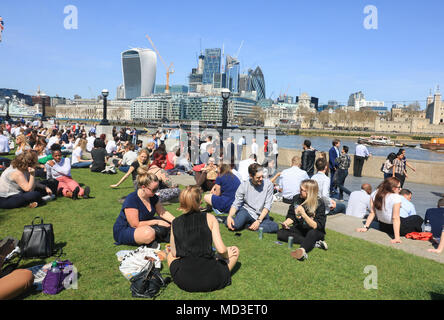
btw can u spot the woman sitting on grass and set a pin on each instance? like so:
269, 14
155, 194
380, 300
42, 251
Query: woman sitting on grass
60, 169
167, 190
22, 144
386, 205
136, 224
76, 157
17, 183
98, 154
307, 217
141, 162
223, 193
192, 262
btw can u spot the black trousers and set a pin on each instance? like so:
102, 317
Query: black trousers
306, 238
21, 200
401, 178
410, 224
357, 165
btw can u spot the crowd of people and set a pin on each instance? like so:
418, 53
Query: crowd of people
237, 191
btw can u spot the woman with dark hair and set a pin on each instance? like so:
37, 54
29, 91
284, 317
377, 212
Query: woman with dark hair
99, 156
136, 224
222, 195
192, 261
387, 168
17, 183
305, 221
386, 205
398, 170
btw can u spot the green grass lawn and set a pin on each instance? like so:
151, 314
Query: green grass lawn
265, 269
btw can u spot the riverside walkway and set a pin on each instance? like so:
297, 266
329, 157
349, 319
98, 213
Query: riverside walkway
424, 197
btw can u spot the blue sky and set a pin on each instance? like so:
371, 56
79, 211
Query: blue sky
318, 47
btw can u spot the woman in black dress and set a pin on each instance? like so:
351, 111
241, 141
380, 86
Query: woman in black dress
192, 261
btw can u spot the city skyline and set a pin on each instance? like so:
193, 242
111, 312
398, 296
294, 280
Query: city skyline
323, 50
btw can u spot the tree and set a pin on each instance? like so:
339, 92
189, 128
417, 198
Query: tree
258, 113
414, 107
76, 96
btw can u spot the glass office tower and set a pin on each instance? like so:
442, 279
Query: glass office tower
211, 65
232, 71
258, 83
139, 72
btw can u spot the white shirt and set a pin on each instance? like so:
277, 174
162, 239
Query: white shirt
275, 148
111, 146
4, 144
77, 153
90, 144
290, 181
51, 141
324, 188
361, 151
254, 148
128, 158
203, 147
358, 204
237, 174
385, 215
243, 168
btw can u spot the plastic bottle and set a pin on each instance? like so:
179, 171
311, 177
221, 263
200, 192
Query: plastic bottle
55, 268
427, 226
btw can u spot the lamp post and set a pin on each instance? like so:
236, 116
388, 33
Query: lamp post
225, 96
43, 98
104, 121
7, 108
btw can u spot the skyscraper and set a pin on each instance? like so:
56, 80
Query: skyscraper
211, 64
232, 71
139, 72
257, 82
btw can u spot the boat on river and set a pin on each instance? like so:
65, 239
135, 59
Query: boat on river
376, 141
436, 144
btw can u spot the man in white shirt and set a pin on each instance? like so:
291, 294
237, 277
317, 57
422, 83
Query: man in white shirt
254, 147
275, 152
203, 146
290, 180
90, 139
331, 206
4, 144
111, 146
359, 202
240, 147
361, 154
243, 167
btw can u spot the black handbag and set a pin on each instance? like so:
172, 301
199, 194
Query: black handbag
148, 282
37, 240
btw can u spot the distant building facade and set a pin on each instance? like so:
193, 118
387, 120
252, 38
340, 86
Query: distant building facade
435, 108
212, 63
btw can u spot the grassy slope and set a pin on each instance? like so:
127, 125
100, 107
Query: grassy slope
266, 271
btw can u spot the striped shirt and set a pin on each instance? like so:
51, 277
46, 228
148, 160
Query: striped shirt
399, 166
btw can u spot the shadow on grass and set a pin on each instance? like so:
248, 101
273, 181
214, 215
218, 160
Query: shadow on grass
236, 268
436, 296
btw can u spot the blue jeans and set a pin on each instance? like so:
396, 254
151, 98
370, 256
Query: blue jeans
124, 168
81, 164
340, 208
244, 220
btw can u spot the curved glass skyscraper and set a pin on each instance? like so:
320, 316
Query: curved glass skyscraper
257, 82
139, 72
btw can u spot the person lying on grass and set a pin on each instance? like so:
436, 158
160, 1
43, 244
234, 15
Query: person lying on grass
136, 223
305, 221
142, 161
192, 262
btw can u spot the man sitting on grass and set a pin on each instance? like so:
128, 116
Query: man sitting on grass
253, 203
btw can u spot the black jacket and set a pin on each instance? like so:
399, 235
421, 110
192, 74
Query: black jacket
320, 218
308, 160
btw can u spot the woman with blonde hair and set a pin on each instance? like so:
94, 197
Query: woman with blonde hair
136, 224
22, 144
76, 157
305, 221
193, 264
142, 162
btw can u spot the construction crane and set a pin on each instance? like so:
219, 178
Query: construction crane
169, 69
238, 51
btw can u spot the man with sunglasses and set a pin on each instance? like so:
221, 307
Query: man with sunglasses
252, 203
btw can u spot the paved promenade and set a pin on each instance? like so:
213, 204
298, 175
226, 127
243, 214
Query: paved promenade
424, 196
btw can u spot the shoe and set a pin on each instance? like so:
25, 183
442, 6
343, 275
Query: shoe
299, 254
86, 193
321, 245
75, 193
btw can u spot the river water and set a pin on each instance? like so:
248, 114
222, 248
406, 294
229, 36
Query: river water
325, 143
